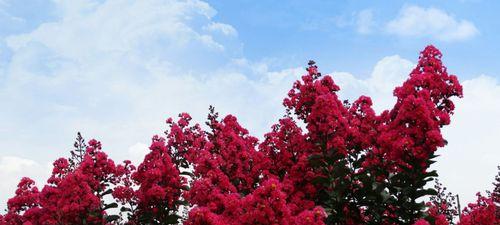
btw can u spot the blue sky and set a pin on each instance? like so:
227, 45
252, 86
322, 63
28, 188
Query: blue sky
116, 69
294, 31
326, 31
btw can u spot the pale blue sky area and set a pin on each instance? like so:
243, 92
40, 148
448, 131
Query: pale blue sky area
291, 32
326, 31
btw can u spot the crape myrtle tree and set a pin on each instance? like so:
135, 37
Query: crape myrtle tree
327, 161
495, 194
444, 202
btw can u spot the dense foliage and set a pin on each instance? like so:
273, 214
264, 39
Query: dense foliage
326, 162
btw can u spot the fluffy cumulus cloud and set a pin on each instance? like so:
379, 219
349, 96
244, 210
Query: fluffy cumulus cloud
10, 164
387, 73
415, 21
116, 75
13, 168
137, 152
468, 164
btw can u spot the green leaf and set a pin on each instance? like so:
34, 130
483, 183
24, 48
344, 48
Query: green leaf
315, 160
111, 205
425, 192
112, 218
125, 209
107, 192
182, 202
187, 173
321, 180
431, 174
385, 195
173, 219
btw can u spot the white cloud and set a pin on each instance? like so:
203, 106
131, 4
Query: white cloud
11, 164
225, 29
364, 22
389, 72
469, 163
12, 169
89, 28
137, 152
415, 21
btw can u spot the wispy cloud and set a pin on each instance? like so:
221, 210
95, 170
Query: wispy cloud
225, 29
364, 21
415, 21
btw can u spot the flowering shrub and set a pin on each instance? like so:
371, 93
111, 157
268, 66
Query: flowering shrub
480, 213
347, 165
443, 202
495, 195
72, 195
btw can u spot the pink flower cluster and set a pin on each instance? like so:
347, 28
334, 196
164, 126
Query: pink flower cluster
70, 196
